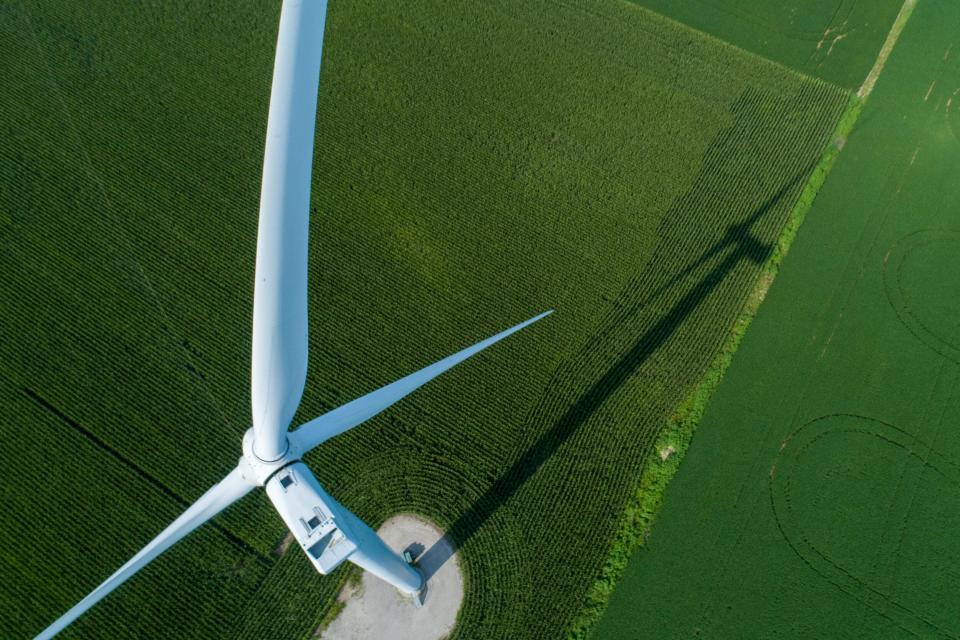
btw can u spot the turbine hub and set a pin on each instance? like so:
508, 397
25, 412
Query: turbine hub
257, 471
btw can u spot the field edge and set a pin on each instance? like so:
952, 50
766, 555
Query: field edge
641, 511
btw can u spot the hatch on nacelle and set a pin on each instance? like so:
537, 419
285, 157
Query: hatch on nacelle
312, 516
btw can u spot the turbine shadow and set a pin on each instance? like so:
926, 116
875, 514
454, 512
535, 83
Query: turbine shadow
742, 245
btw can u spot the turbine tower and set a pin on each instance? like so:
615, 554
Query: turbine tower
326, 531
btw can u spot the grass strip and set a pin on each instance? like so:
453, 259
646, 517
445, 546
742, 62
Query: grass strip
898, 24
675, 437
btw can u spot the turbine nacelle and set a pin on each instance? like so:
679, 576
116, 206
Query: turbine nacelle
327, 532
314, 518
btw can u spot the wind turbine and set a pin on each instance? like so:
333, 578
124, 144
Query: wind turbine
326, 531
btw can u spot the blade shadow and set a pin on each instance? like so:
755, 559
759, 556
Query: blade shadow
742, 245
734, 235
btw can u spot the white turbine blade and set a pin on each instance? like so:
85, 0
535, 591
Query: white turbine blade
329, 534
365, 407
374, 556
215, 500
280, 293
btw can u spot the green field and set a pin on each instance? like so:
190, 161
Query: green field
836, 40
599, 159
818, 498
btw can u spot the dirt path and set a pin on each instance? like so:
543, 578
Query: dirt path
887, 48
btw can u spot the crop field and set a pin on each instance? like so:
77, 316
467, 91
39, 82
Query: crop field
836, 40
819, 496
600, 159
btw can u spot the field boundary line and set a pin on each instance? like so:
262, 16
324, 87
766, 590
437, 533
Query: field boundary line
892, 36
673, 440
763, 59
93, 439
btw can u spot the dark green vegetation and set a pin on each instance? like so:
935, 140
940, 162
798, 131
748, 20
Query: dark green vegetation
819, 499
599, 159
836, 40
